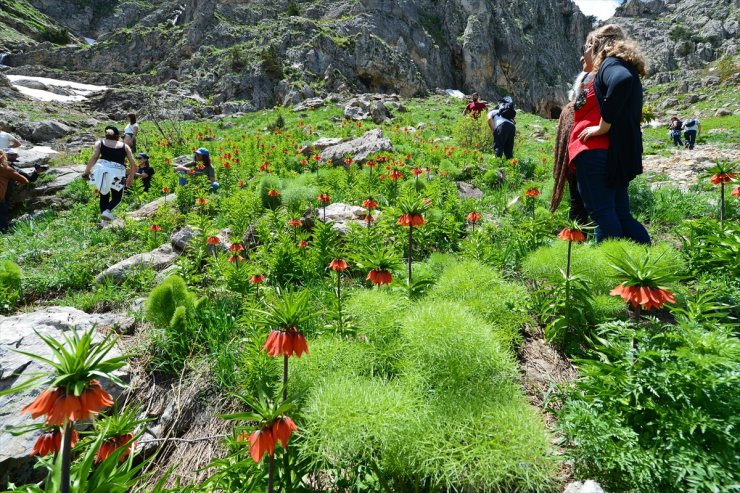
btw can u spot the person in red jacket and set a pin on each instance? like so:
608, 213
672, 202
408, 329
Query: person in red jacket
475, 107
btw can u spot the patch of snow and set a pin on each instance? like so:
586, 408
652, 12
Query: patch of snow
81, 91
90, 41
455, 93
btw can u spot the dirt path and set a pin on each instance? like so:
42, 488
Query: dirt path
683, 167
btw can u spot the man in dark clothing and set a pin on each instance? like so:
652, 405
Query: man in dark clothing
504, 132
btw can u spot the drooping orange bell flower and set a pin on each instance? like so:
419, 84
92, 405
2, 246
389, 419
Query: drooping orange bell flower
59, 406
282, 428
370, 204
261, 442
417, 171
302, 244
395, 175
722, 178
114, 443
338, 265
324, 198
286, 343
296, 223
213, 240
155, 227
50, 442
236, 258
532, 193
736, 192
644, 296
236, 247
201, 201
379, 277
569, 234
165, 190
411, 220
273, 193
474, 217
257, 279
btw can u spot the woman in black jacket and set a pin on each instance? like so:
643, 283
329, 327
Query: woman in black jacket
604, 175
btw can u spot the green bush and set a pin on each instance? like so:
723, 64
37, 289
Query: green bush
480, 289
656, 409
592, 261
168, 303
473, 133
10, 286
267, 183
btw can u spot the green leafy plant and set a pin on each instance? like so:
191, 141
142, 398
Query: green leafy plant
10, 286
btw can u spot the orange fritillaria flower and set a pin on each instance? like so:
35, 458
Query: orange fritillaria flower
296, 223
722, 178
369, 219
370, 204
114, 443
50, 442
201, 201
241, 184
568, 234
417, 171
273, 193
303, 244
395, 174
532, 193
44, 403
474, 217
324, 198
286, 343
338, 265
261, 442
379, 277
371, 164
213, 240
411, 220
165, 190
257, 279
236, 248
155, 228
643, 296
736, 192
282, 428
235, 258
68, 407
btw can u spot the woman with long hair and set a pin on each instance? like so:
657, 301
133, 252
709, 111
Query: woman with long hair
109, 176
607, 150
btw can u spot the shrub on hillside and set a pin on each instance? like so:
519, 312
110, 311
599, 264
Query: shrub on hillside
10, 286
656, 409
473, 133
169, 303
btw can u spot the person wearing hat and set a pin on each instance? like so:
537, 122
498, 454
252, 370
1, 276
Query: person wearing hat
200, 165
144, 171
109, 175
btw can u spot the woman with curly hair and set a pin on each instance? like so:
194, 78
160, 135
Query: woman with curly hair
604, 173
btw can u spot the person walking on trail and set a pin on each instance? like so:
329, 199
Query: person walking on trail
131, 132
691, 130
674, 129
501, 123
475, 107
109, 175
605, 169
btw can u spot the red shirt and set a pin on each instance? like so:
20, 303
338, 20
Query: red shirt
587, 115
475, 108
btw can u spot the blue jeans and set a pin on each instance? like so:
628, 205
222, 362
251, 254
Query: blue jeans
676, 134
608, 207
690, 138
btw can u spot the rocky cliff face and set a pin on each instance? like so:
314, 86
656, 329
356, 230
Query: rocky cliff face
266, 53
681, 35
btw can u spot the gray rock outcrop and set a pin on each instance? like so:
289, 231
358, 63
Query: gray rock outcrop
360, 148
18, 332
158, 259
342, 215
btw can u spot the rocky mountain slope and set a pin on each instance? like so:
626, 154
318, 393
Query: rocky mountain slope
282, 52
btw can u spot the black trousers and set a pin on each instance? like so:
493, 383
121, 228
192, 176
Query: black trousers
110, 200
503, 140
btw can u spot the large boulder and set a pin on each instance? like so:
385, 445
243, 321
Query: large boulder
19, 333
158, 259
360, 148
27, 158
44, 131
342, 215
148, 210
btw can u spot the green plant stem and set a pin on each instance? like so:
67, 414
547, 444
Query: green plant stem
66, 457
285, 378
339, 299
721, 203
567, 266
381, 479
286, 468
416, 183
411, 244
324, 213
